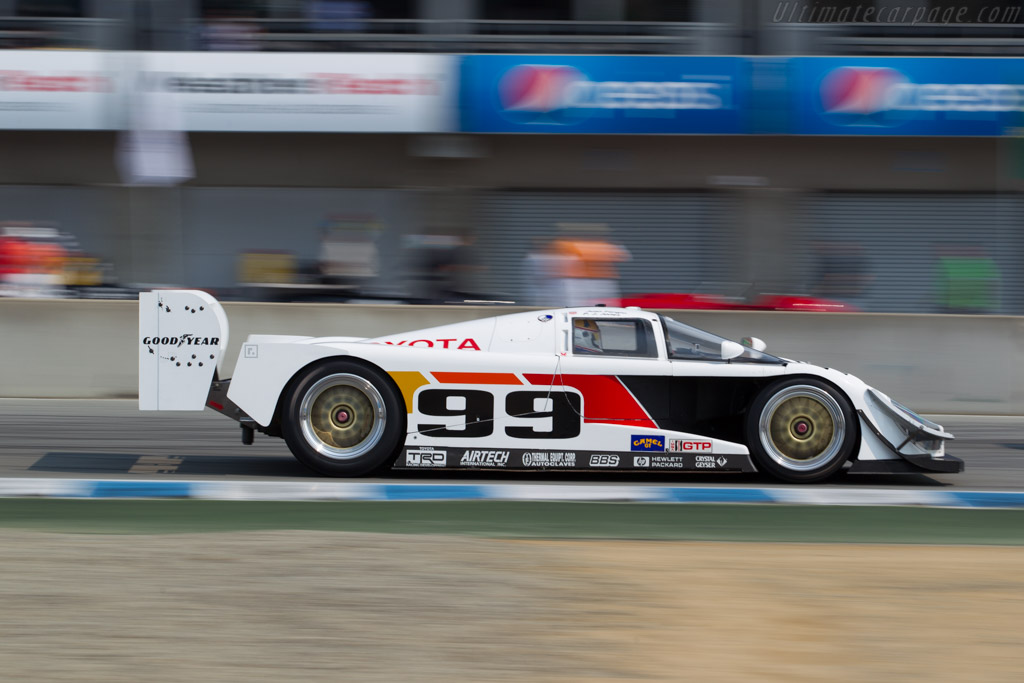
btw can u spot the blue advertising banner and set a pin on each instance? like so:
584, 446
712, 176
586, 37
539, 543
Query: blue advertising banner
591, 94
905, 95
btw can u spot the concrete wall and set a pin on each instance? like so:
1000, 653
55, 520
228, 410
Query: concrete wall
670, 162
933, 363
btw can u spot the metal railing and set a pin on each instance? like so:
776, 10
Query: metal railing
505, 36
423, 35
975, 40
57, 32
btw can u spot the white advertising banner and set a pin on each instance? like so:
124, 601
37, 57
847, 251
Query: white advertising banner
324, 92
230, 91
59, 90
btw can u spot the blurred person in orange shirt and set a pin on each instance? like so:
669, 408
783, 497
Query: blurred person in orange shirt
542, 270
588, 262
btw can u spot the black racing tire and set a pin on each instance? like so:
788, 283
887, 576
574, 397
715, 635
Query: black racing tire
801, 430
343, 418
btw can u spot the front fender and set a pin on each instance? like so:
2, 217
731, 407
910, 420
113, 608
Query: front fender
888, 430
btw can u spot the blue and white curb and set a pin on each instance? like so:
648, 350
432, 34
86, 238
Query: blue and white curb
366, 491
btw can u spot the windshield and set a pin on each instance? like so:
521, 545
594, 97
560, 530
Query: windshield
689, 343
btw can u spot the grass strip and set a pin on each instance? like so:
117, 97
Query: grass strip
527, 520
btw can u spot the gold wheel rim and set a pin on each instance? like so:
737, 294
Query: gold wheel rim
341, 416
801, 428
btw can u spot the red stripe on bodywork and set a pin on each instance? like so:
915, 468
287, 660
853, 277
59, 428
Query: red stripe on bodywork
605, 399
476, 378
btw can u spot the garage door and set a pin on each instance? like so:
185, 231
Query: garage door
915, 252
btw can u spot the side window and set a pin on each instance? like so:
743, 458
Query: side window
620, 338
689, 343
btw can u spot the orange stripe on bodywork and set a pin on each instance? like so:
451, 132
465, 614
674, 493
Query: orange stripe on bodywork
408, 382
476, 378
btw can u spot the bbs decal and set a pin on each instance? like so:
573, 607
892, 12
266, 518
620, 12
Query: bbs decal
558, 414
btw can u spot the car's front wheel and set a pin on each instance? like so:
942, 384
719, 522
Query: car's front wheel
343, 419
801, 430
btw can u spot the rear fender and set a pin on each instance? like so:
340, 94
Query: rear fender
264, 369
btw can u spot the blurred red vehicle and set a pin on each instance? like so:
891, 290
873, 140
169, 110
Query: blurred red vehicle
712, 302
693, 302
791, 302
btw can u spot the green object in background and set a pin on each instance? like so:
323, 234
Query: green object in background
968, 283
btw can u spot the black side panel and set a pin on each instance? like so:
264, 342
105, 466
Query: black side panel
653, 393
709, 406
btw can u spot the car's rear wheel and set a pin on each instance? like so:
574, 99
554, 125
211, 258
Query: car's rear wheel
343, 419
801, 430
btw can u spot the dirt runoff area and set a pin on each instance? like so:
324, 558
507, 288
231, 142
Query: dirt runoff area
329, 606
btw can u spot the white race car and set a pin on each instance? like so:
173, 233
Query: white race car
587, 389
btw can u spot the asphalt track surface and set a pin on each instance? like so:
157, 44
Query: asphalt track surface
112, 439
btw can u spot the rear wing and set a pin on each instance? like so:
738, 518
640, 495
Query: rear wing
183, 335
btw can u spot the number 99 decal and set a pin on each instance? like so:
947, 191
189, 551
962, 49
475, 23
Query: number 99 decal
476, 408
565, 414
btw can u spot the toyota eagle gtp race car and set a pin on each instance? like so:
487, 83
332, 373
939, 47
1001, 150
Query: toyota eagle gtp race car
579, 389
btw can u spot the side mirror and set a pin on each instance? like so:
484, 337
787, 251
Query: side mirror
754, 343
731, 349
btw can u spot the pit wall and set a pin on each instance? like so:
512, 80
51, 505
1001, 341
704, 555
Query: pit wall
933, 363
